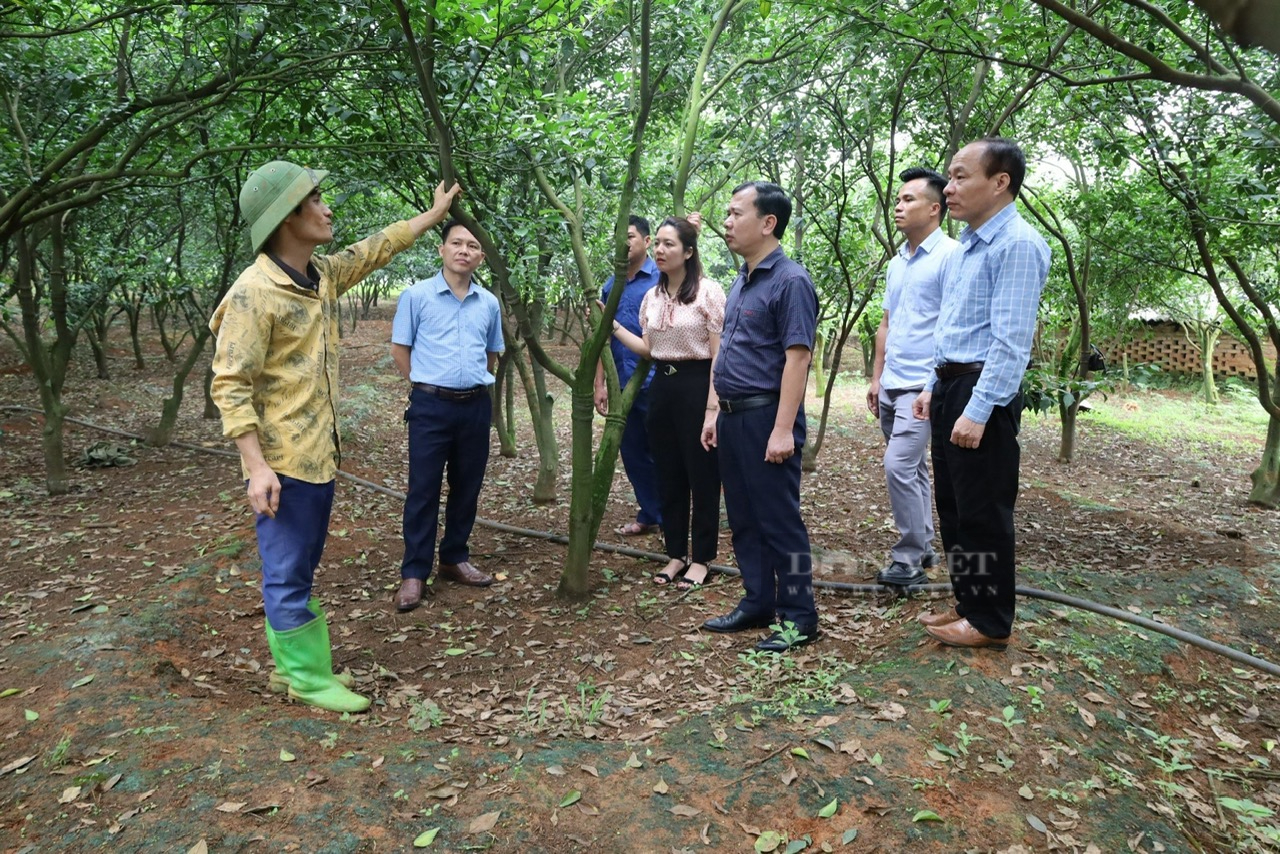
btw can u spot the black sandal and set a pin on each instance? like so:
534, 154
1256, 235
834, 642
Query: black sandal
662, 579
687, 583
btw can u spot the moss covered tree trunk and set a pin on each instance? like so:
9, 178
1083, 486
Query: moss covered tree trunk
1266, 477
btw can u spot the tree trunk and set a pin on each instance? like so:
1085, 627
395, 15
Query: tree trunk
162, 433
504, 421
590, 485
99, 352
48, 361
813, 441
135, 315
210, 408
1067, 445
540, 403
158, 316
819, 375
1208, 344
1266, 477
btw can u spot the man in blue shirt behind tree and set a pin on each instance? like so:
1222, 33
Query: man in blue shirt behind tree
445, 340
760, 375
991, 288
637, 461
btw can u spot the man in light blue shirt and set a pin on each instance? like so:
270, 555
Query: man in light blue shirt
903, 365
445, 340
990, 296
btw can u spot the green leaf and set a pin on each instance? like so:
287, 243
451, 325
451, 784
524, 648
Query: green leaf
830, 809
768, 841
82, 682
425, 838
571, 798
801, 752
849, 835
796, 846
286, 756
31, 716
9, 692
926, 815
455, 651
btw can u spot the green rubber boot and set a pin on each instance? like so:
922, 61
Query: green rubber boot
304, 657
277, 682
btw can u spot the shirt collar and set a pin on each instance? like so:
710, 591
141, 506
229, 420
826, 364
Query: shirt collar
927, 245
309, 281
647, 269
442, 285
988, 230
766, 263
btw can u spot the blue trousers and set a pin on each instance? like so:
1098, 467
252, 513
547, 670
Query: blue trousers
444, 436
762, 499
637, 462
290, 546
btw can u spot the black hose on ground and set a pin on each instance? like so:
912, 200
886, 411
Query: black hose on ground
846, 587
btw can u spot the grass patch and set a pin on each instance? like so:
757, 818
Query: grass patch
1169, 420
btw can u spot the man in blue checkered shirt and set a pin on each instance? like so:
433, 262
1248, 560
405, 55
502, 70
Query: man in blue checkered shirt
990, 294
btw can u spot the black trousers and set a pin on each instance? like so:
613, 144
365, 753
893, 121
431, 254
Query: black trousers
975, 490
688, 474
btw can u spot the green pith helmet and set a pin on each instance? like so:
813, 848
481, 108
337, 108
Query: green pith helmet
271, 194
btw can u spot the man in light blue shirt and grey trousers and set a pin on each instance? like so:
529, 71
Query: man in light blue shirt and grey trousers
445, 340
903, 365
990, 295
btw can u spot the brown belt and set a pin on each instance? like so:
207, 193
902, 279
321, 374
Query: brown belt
452, 393
947, 370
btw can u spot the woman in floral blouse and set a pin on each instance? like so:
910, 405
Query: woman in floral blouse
681, 319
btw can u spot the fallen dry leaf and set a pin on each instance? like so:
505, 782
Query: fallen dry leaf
484, 823
15, 764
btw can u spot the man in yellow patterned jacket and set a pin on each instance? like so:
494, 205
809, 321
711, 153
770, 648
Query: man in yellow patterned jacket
275, 380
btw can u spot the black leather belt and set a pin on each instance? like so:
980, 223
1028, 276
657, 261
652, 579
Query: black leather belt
947, 370
453, 393
742, 404
669, 368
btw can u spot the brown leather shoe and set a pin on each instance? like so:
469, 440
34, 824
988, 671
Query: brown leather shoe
410, 595
465, 573
926, 618
960, 633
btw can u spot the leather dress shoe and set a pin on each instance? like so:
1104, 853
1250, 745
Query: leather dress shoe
777, 642
410, 594
738, 620
465, 573
899, 574
926, 618
929, 559
961, 633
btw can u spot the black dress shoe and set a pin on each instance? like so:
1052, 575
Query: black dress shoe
929, 559
778, 641
899, 574
738, 620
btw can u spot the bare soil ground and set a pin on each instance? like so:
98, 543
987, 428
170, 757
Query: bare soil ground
134, 712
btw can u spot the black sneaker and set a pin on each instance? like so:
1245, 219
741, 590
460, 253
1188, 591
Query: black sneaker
899, 574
